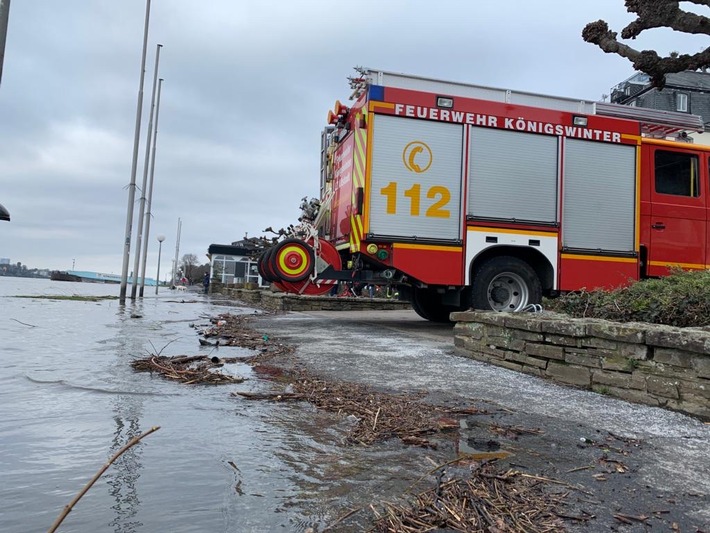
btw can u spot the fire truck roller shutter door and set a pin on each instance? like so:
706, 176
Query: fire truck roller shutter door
513, 175
416, 179
505, 283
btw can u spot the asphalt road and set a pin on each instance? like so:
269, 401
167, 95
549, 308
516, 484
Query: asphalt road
617, 458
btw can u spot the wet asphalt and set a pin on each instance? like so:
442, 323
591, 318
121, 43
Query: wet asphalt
624, 467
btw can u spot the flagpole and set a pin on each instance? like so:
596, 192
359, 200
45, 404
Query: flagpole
141, 211
134, 165
148, 213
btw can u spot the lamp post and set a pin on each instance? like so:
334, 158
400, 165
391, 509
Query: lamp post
160, 238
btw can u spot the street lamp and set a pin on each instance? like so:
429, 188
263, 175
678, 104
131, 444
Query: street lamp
160, 238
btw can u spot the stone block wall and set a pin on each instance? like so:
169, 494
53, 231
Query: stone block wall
278, 301
644, 363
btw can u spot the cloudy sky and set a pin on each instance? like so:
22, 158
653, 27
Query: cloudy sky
248, 84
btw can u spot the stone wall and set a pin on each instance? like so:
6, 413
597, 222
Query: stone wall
278, 301
645, 363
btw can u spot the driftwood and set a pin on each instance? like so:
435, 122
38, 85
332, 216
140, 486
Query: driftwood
475, 499
379, 416
188, 369
70, 506
484, 500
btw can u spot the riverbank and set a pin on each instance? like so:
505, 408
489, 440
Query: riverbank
618, 459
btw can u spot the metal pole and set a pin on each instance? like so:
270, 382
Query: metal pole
4, 16
177, 252
141, 210
160, 238
149, 201
134, 165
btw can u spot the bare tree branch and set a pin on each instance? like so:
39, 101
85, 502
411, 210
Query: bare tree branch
67, 509
654, 14
663, 14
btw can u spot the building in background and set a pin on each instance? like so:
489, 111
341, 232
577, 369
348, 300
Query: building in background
234, 264
685, 92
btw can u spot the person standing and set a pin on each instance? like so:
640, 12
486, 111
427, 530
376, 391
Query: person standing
206, 282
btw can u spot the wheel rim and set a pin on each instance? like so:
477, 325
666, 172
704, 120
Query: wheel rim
293, 260
508, 292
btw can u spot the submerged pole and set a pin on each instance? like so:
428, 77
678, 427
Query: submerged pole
134, 165
141, 213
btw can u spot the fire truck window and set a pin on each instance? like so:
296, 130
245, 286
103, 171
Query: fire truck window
677, 173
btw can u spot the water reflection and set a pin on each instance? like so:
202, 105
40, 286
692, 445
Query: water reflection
128, 409
122, 481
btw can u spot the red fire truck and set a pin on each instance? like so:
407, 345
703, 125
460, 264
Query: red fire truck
467, 196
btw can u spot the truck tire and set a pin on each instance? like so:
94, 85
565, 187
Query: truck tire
427, 304
261, 265
505, 283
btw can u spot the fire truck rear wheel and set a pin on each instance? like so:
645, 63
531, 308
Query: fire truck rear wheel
427, 304
505, 284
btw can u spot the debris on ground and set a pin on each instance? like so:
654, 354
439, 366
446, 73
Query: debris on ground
188, 369
379, 416
475, 498
483, 499
234, 330
228, 330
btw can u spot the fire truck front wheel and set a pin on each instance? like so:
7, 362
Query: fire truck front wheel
505, 283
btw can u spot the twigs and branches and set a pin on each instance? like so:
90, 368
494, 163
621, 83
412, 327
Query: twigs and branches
70, 506
188, 369
24, 323
228, 330
378, 416
473, 497
654, 14
486, 499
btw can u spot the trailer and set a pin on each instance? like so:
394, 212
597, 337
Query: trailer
463, 196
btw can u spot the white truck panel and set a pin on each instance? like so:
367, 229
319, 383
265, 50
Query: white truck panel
478, 240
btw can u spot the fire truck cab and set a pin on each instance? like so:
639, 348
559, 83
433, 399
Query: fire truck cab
467, 196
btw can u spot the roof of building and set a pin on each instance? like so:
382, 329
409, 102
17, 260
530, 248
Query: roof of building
226, 249
689, 79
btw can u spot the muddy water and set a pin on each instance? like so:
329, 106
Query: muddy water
69, 400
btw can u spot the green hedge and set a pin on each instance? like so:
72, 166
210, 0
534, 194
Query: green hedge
681, 299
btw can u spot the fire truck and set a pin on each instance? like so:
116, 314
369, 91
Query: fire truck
464, 196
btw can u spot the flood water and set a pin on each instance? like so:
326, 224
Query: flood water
69, 400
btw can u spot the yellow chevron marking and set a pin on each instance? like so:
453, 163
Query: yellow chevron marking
358, 221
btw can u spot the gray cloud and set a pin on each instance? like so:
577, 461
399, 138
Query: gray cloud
247, 88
